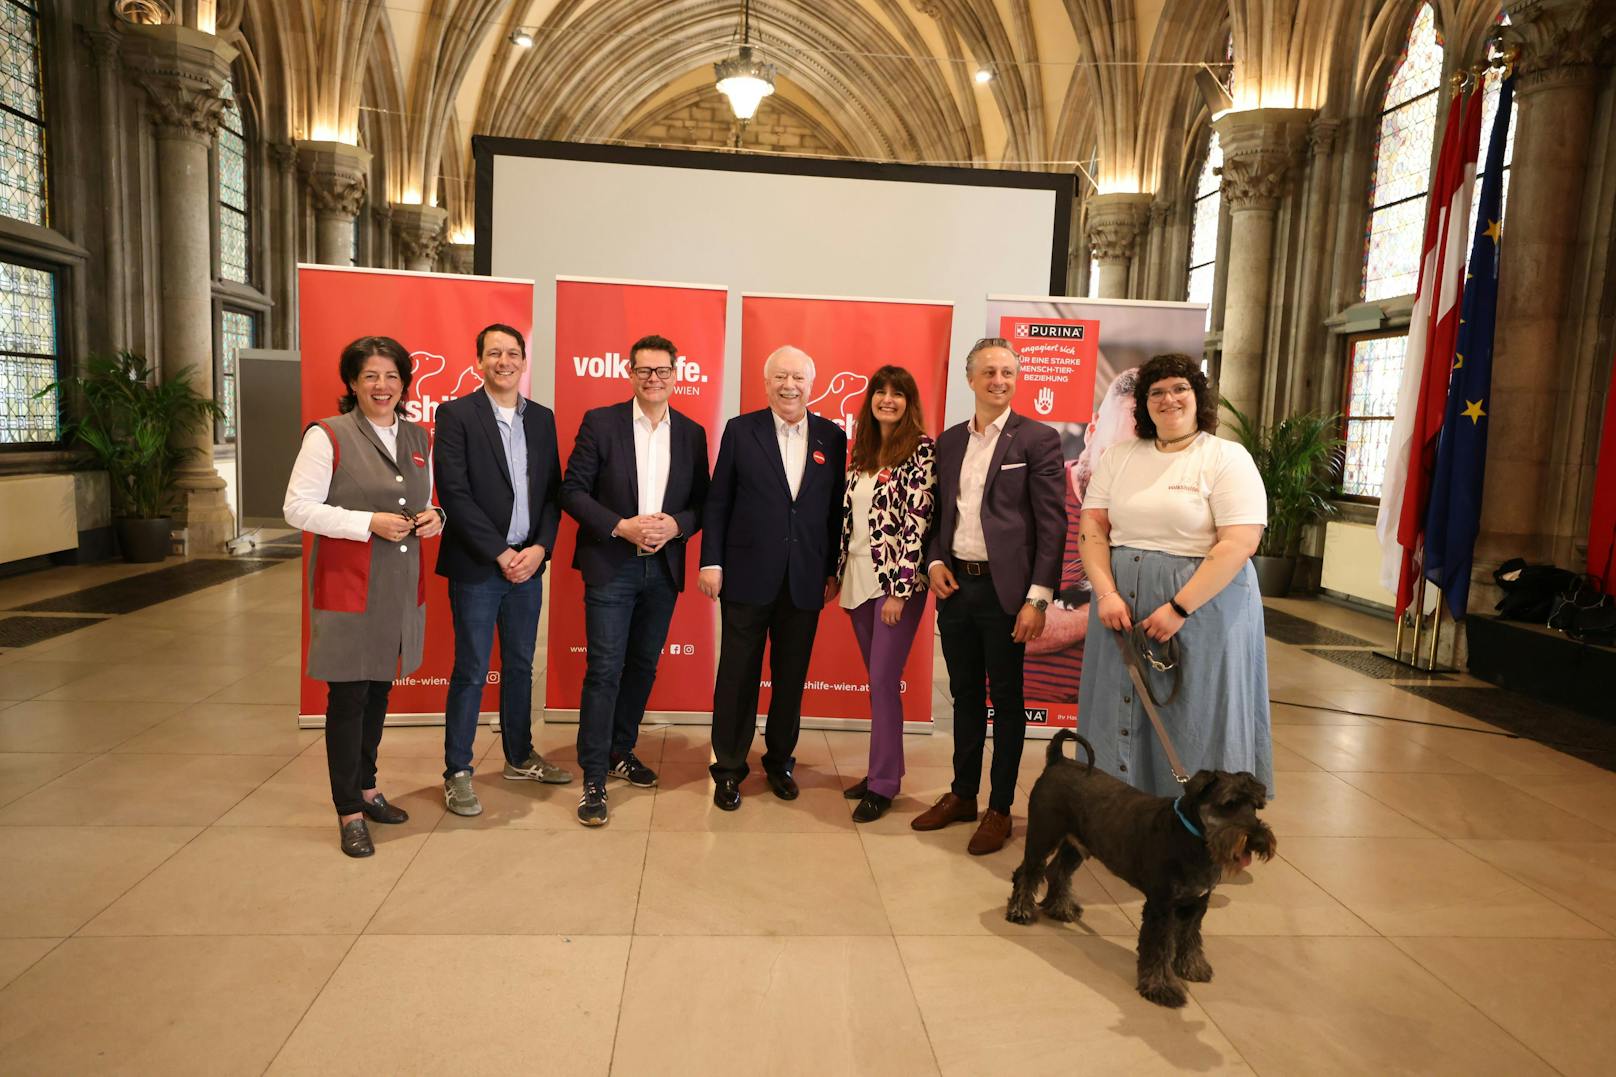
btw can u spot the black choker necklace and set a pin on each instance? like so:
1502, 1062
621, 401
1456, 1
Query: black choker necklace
1162, 443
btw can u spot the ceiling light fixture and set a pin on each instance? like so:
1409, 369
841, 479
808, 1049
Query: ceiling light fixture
744, 80
522, 37
984, 76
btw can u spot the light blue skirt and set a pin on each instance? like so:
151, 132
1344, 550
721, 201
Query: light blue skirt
1219, 719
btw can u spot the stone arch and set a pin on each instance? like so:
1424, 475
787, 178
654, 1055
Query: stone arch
683, 121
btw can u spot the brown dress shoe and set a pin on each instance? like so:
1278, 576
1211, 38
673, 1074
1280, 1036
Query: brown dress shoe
991, 835
948, 809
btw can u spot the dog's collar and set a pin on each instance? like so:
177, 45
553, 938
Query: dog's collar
1191, 827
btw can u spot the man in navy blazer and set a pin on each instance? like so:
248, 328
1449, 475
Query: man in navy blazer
994, 558
498, 474
637, 485
773, 530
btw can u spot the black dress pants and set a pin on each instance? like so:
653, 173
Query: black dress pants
981, 657
354, 713
789, 633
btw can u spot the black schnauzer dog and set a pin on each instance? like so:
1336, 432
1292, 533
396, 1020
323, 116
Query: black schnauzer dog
1173, 851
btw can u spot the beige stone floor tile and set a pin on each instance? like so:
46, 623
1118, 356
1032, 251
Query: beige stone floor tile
106, 644
18, 955
1591, 796
1284, 714
23, 772
1351, 1007
758, 884
518, 882
226, 729
299, 794
262, 881
1265, 899
684, 801
75, 726
1417, 886
58, 878
486, 1005
930, 885
1365, 748
687, 744
162, 1005
1579, 875
1476, 806
1289, 762
1500, 756
25, 679
150, 681
1551, 995
808, 1006
1053, 1006
262, 686
143, 790
426, 742
1322, 805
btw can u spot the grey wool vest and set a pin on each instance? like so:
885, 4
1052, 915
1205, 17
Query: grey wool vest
367, 600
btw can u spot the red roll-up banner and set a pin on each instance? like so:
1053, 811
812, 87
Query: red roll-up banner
437, 318
1602, 518
596, 322
848, 340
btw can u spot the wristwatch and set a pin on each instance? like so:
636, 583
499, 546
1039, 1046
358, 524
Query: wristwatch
1039, 604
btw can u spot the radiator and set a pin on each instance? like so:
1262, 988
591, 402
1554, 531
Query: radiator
37, 516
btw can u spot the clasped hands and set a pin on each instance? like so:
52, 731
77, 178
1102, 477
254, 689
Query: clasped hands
648, 532
518, 566
396, 526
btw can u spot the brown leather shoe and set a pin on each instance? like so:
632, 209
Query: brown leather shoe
991, 835
948, 809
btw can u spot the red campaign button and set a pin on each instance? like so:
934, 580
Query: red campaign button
420, 461
819, 457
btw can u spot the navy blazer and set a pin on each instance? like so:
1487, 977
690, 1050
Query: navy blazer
474, 485
752, 528
1023, 506
603, 486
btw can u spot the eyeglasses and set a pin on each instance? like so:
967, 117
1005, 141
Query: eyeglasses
1173, 390
645, 373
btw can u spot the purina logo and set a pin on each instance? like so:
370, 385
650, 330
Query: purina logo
1035, 715
431, 387
1045, 331
687, 373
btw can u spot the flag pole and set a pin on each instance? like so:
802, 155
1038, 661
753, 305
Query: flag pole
1419, 619
1436, 633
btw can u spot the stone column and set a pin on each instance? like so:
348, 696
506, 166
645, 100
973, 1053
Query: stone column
284, 155
420, 234
381, 226
109, 84
1311, 365
1535, 447
1159, 271
337, 174
1115, 221
461, 257
1259, 150
183, 72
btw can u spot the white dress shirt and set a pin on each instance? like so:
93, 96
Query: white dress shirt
793, 439
310, 484
970, 544
652, 449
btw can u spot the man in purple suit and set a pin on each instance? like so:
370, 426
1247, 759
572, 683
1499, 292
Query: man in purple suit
994, 558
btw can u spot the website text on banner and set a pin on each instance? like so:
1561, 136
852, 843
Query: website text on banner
596, 322
849, 340
437, 318
1116, 337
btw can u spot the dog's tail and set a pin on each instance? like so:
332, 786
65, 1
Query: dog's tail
1056, 754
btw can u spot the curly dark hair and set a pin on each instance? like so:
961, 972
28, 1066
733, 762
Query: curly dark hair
1161, 368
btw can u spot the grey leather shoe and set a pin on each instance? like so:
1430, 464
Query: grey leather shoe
356, 839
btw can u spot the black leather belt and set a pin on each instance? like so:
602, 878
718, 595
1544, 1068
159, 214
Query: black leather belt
972, 568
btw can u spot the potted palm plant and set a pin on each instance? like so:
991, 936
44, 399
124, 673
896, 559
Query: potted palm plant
1299, 459
129, 422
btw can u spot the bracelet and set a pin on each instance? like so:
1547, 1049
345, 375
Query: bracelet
1180, 610
1102, 598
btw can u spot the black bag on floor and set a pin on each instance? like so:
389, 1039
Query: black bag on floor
1530, 591
1585, 613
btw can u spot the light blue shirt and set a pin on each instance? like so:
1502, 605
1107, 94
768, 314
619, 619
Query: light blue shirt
515, 442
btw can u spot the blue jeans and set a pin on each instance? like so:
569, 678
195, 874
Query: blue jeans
477, 608
627, 625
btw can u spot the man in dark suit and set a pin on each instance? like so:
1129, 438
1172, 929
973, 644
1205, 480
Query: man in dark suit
636, 483
498, 477
994, 558
772, 538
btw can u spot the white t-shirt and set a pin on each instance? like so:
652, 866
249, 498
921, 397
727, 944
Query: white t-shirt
1175, 502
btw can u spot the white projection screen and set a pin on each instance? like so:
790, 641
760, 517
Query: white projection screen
766, 224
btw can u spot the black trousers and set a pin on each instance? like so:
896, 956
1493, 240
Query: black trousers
981, 656
789, 632
354, 713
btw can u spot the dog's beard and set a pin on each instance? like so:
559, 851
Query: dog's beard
1233, 847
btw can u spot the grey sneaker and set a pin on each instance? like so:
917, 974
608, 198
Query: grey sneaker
459, 796
537, 769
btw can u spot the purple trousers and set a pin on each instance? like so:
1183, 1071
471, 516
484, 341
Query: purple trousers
885, 649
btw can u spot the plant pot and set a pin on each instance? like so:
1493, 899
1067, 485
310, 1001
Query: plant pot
144, 541
1274, 575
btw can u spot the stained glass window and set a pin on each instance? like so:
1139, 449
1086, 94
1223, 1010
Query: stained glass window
23, 192
234, 260
1375, 375
1402, 171
237, 329
1204, 228
28, 359
1094, 277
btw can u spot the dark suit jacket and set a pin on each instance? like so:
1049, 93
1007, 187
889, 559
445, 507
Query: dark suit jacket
752, 528
1023, 506
603, 486
474, 485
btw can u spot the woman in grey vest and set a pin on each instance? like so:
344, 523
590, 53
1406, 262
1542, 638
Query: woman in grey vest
362, 485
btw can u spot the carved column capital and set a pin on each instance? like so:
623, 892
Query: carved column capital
1114, 223
338, 176
461, 257
104, 46
1162, 213
420, 232
183, 72
1260, 149
1321, 136
284, 154
1561, 42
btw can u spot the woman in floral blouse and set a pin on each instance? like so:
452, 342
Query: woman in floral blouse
886, 511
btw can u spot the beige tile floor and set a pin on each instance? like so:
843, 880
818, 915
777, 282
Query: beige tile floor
173, 901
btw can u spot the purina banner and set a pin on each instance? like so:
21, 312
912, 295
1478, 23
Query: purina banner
596, 322
848, 340
1117, 336
437, 318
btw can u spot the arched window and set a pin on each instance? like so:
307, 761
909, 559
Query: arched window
1204, 227
1402, 172
238, 327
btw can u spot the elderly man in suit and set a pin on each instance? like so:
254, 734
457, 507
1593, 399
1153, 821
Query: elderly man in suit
636, 483
771, 541
994, 558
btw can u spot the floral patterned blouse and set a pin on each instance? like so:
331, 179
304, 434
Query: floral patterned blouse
900, 516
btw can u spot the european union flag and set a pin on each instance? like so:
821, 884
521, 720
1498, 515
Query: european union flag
1454, 515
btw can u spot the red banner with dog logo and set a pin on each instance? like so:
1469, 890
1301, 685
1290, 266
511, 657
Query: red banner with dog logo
849, 339
437, 318
596, 322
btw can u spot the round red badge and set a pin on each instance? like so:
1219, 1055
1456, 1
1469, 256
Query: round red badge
819, 457
420, 461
